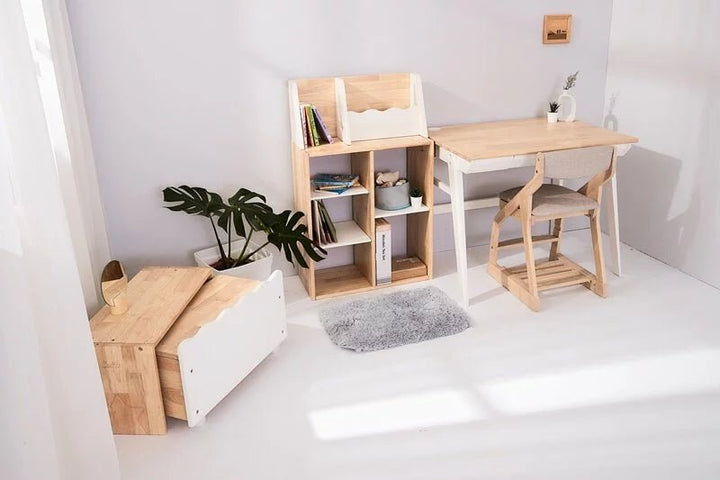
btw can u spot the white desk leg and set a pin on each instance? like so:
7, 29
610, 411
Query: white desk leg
613, 226
457, 200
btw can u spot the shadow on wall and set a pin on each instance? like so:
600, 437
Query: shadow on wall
647, 183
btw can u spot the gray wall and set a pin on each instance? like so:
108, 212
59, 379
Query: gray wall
664, 87
195, 92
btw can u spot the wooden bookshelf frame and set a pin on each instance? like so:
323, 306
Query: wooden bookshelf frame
379, 93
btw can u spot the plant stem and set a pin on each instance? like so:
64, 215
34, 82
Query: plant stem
230, 223
223, 257
257, 250
247, 242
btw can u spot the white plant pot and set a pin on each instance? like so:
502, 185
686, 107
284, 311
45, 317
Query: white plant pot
416, 202
259, 269
552, 117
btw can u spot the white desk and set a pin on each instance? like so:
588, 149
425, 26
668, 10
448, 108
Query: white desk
494, 146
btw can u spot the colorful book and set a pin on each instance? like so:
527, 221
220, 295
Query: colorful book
308, 123
311, 125
303, 122
323, 130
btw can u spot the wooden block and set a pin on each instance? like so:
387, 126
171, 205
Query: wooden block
409, 267
132, 388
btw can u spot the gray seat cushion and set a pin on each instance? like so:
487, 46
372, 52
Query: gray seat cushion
554, 200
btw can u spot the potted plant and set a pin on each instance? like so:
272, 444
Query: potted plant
416, 197
244, 214
552, 114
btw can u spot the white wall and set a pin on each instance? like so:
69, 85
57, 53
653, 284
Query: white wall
54, 422
663, 86
181, 91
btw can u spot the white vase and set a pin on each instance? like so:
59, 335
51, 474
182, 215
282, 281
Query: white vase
567, 107
416, 202
259, 269
552, 117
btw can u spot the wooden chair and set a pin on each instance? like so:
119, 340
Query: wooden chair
536, 202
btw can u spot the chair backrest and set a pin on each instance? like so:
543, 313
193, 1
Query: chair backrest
577, 163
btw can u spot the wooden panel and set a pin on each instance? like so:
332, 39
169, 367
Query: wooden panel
339, 148
379, 92
302, 195
362, 165
171, 386
342, 280
321, 93
521, 137
420, 168
156, 297
132, 388
216, 295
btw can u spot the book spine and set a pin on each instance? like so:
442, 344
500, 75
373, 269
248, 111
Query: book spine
308, 122
303, 122
383, 252
312, 127
328, 221
323, 128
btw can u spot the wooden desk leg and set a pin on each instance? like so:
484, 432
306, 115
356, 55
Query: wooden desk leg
457, 200
613, 225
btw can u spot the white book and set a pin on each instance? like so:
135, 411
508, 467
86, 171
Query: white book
383, 252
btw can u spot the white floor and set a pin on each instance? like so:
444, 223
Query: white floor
622, 388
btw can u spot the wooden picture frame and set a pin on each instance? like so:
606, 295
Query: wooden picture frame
556, 29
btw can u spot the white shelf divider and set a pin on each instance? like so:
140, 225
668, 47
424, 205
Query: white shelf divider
356, 190
380, 213
348, 233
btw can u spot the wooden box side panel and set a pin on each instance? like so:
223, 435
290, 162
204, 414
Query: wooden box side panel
378, 92
171, 386
320, 92
132, 388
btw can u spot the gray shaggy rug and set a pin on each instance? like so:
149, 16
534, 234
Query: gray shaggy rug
394, 319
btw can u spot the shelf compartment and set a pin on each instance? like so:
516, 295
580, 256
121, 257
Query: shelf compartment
356, 190
380, 213
335, 281
348, 233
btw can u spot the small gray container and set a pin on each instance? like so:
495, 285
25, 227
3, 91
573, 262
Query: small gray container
392, 198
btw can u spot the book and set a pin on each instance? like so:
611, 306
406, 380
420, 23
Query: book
308, 123
330, 226
383, 252
311, 125
322, 128
331, 182
303, 123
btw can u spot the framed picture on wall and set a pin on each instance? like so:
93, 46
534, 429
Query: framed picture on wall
556, 28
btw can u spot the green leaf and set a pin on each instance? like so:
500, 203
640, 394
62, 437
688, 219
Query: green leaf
193, 201
250, 207
288, 235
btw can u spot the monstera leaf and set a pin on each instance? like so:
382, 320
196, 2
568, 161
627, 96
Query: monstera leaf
246, 206
193, 201
288, 235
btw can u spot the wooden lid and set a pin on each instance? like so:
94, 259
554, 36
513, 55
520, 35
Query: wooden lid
216, 295
156, 298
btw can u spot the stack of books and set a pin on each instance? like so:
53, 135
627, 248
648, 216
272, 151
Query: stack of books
323, 228
315, 132
331, 182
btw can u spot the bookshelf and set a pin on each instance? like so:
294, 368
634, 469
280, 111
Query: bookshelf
353, 109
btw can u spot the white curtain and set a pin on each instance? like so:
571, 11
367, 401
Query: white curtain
53, 419
52, 50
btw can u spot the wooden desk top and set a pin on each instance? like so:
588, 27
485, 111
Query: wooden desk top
478, 141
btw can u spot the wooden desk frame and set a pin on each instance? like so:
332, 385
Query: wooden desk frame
459, 166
